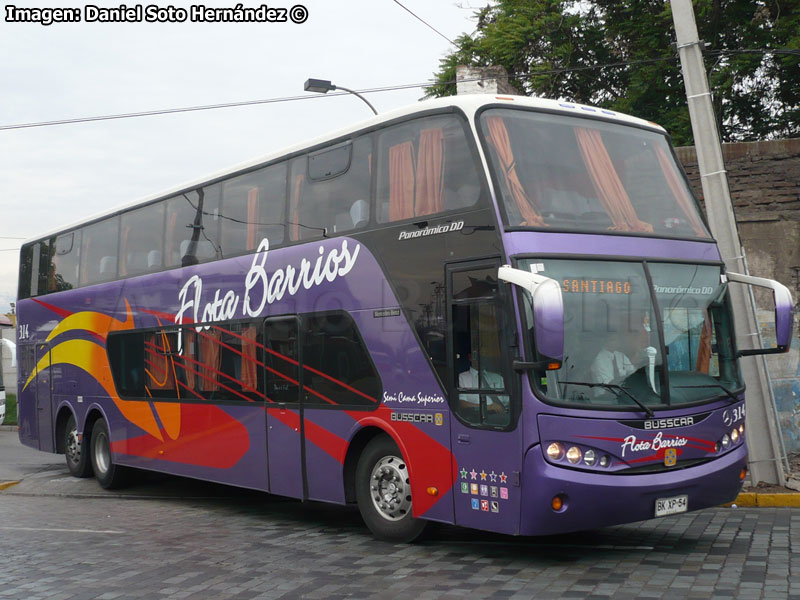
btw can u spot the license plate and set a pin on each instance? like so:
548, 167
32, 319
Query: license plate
672, 506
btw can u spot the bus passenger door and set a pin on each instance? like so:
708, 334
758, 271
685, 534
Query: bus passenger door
284, 414
485, 438
44, 399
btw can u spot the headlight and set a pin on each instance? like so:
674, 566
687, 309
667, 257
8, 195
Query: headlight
590, 457
726, 441
555, 451
605, 460
735, 435
741, 429
574, 455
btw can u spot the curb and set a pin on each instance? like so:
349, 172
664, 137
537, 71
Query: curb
8, 428
4, 485
753, 499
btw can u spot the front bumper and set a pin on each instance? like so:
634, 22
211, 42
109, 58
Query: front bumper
593, 500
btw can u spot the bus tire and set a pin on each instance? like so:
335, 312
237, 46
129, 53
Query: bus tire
109, 475
383, 492
76, 450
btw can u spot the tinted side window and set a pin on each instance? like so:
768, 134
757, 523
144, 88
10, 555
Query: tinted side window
63, 256
192, 231
335, 204
337, 366
142, 240
99, 251
425, 167
253, 208
26, 287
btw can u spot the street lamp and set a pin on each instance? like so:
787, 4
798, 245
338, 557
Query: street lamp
322, 86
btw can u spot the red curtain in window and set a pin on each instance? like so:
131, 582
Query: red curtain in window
681, 196
159, 368
606, 182
294, 209
704, 350
189, 341
210, 357
252, 219
401, 181
249, 361
430, 173
498, 136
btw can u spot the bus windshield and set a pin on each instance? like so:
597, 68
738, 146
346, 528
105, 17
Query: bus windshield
565, 173
655, 333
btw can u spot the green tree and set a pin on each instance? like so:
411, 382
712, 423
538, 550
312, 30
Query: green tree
620, 55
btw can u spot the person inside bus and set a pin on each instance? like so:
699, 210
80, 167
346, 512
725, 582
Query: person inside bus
612, 365
472, 379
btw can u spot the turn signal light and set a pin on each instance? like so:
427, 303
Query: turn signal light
432, 491
553, 366
742, 474
557, 503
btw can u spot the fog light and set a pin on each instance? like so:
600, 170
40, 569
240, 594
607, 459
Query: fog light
555, 451
735, 435
726, 441
574, 455
605, 460
557, 503
590, 457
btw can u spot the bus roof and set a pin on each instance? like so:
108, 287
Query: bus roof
468, 103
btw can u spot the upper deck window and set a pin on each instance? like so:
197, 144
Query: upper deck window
563, 172
425, 167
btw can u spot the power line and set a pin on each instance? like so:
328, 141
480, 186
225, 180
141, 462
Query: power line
376, 90
421, 20
150, 113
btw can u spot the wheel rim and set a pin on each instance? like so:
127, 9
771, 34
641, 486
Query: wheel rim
102, 454
73, 446
389, 488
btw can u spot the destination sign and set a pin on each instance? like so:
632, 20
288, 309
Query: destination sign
596, 286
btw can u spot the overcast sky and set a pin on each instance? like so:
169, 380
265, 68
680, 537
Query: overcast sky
53, 176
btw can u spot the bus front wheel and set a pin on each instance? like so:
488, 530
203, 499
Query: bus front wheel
76, 450
109, 475
383, 492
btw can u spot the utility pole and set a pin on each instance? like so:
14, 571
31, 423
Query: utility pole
763, 436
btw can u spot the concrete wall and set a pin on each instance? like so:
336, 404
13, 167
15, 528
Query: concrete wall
764, 179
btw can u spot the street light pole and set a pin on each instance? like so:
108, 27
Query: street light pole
323, 86
763, 436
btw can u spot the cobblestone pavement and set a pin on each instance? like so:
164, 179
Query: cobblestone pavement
168, 538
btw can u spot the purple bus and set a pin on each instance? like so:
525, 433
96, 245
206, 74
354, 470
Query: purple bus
498, 312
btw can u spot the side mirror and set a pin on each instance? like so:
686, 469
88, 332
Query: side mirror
784, 312
548, 310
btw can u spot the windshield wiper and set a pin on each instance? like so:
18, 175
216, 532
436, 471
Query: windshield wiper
614, 387
728, 393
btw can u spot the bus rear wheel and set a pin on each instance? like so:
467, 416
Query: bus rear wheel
383, 492
109, 475
76, 450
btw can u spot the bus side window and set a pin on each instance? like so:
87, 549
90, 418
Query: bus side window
192, 227
142, 240
330, 190
425, 167
99, 251
62, 270
252, 209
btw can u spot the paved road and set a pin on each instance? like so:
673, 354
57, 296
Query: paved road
168, 538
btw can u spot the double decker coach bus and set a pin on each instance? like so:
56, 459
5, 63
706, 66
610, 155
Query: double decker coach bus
499, 312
